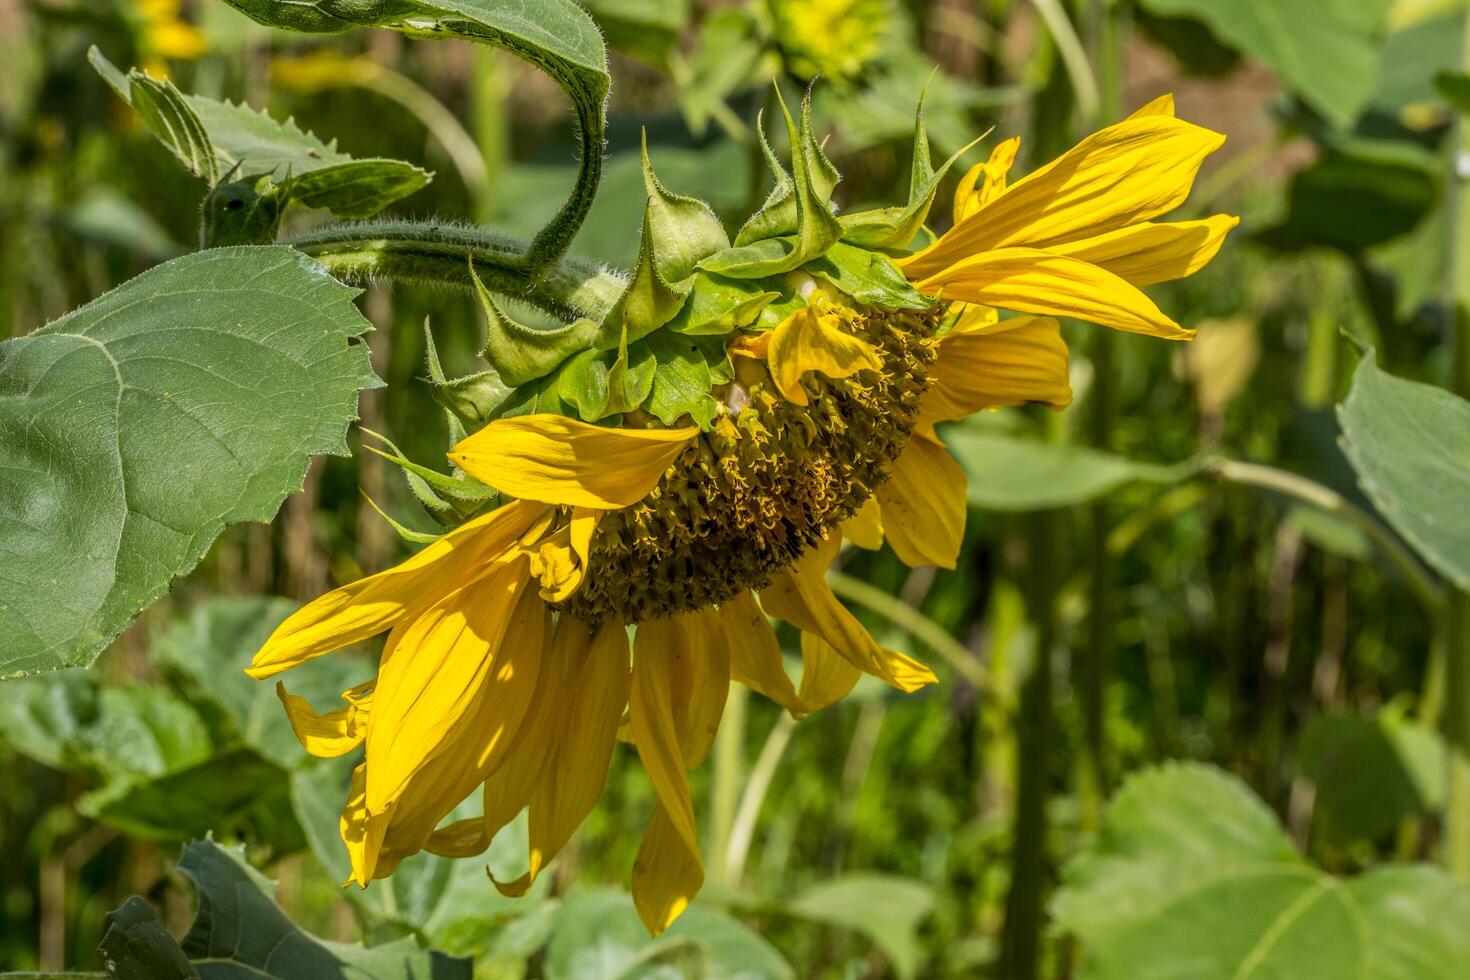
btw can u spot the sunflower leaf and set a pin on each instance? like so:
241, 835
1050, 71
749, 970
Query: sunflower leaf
718, 305
685, 230
557, 36
211, 137
520, 353
135, 429
868, 277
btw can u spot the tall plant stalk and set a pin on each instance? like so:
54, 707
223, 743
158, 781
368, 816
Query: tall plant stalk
1454, 621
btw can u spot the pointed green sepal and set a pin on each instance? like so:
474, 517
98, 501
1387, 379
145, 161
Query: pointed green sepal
650, 300
718, 305
437, 380
685, 229
868, 277
896, 227
520, 353
406, 533
816, 227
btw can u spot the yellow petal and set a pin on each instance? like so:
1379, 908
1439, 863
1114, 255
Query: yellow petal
478, 745
1162, 106
755, 653
1126, 173
971, 317
800, 596
815, 338
986, 181
563, 461
325, 736
449, 664
560, 561
667, 874
865, 527
1018, 361
653, 717
826, 675
924, 505
1154, 252
1029, 280
374, 604
361, 831
588, 705
698, 659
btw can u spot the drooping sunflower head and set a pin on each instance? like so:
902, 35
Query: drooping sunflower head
684, 465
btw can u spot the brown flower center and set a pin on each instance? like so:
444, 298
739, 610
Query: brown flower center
747, 499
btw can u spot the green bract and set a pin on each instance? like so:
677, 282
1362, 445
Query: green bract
662, 347
255, 165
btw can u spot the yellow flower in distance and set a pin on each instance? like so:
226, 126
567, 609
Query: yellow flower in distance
633, 574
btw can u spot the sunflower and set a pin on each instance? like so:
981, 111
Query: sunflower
645, 489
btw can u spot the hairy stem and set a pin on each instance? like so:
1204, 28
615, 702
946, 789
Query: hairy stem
438, 253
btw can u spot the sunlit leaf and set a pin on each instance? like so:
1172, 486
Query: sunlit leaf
135, 429
1370, 773
884, 908
1410, 445
1192, 876
1324, 50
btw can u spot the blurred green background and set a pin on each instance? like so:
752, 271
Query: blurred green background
1128, 593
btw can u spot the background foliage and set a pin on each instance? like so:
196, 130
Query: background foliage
1223, 591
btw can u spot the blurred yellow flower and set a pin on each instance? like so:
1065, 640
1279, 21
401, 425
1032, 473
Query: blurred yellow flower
835, 39
166, 35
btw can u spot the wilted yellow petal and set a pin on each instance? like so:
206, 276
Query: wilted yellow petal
325, 736
826, 675
924, 505
559, 460
374, 604
1018, 361
478, 745
447, 666
1126, 173
865, 527
361, 831
654, 711
694, 648
1029, 280
814, 338
560, 561
800, 596
586, 707
1153, 252
667, 874
986, 181
755, 653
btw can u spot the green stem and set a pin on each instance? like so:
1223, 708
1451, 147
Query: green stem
915, 623
438, 253
1020, 956
1454, 625
1420, 581
725, 792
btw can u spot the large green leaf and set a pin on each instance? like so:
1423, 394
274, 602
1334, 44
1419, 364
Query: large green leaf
239, 931
1324, 50
557, 36
1192, 876
1410, 445
207, 650
886, 909
450, 902
1371, 772
133, 430
598, 937
1015, 474
212, 138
